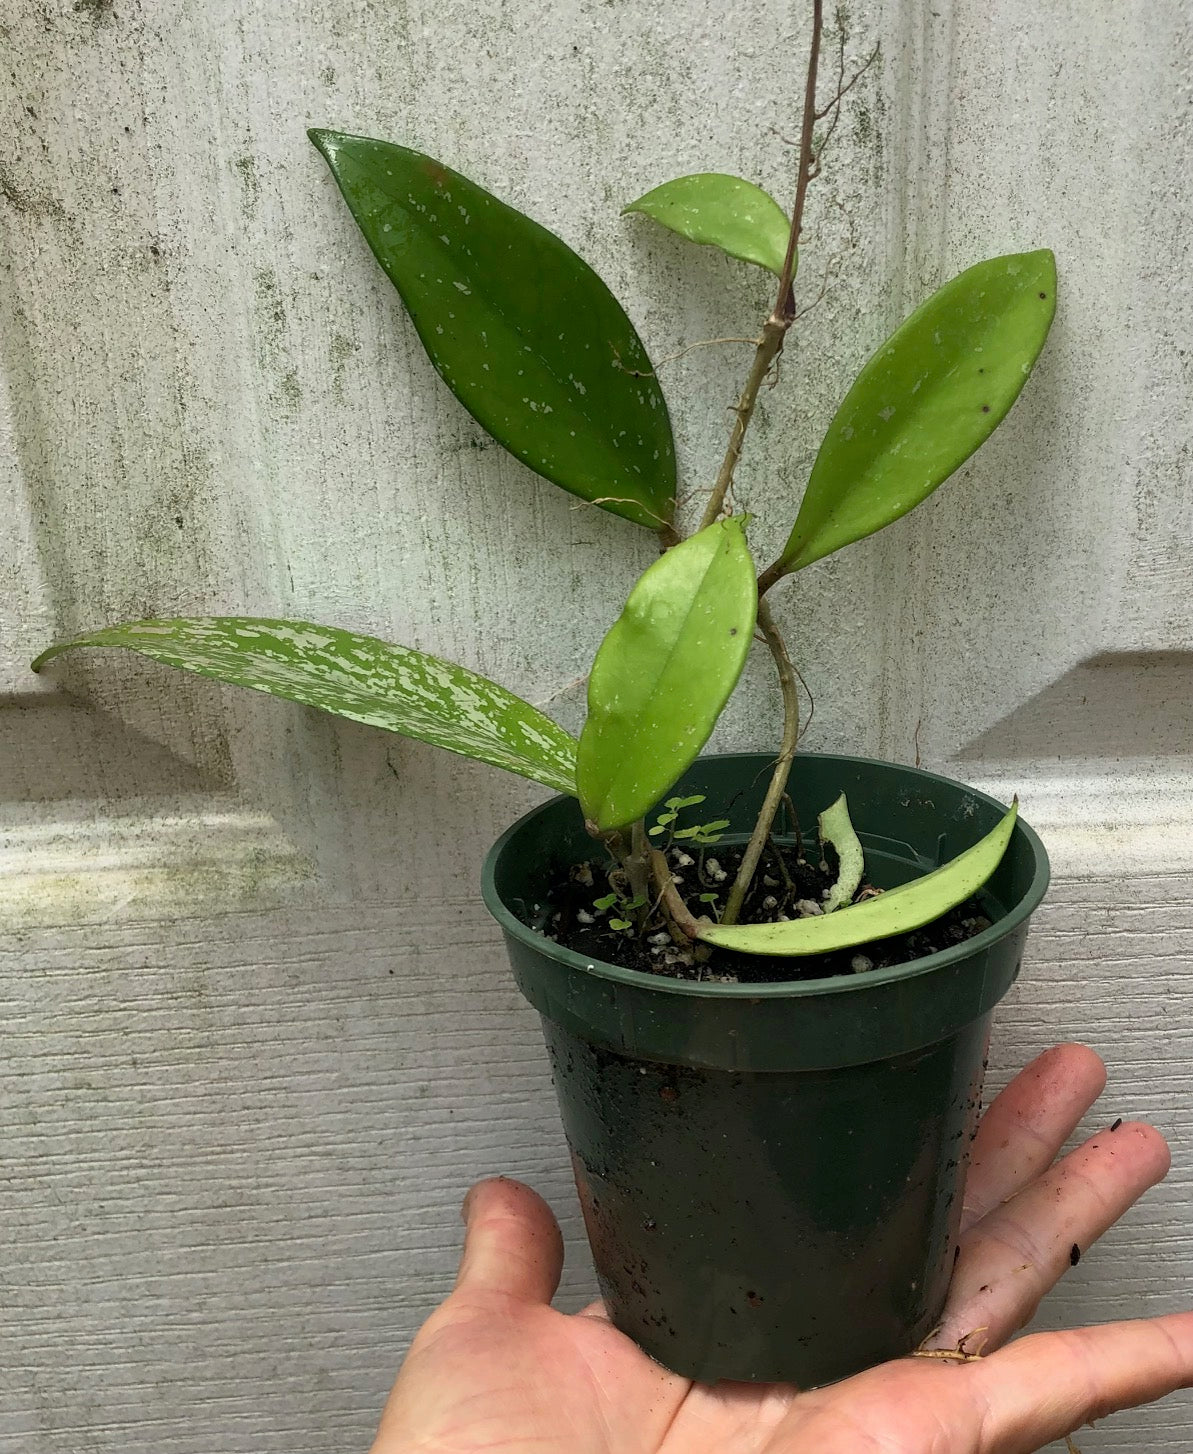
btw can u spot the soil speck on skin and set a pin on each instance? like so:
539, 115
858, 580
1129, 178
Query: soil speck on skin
788, 886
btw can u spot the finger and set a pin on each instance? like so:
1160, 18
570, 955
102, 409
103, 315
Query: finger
1028, 1123
596, 1310
1044, 1387
512, 1244
1020, 1251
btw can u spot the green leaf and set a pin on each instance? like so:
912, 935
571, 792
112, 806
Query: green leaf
524, 333
360, 678
924, 403
836, 828
726, 212
664, 672
705, 833
898, 911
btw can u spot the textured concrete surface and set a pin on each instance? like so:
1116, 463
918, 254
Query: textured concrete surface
259, 1035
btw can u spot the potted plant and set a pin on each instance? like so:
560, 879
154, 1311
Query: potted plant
726, 995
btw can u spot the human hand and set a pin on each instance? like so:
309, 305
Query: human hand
496, 1368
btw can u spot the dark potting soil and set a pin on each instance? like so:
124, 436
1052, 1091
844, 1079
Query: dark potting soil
787, 885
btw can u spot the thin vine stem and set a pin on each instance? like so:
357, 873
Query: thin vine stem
774, 330
785, 304
637, 867
777, 325
782, 768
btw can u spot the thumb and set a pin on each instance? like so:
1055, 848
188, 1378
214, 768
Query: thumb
512, 1243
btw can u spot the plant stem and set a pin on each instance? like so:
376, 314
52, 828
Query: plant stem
774, 330
769, 576
778, 781
780, 861
637, 867
785, 304
678, 915
781, 319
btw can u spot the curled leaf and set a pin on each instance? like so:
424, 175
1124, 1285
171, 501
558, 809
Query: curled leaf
835, 828
664, 672
723, 211
897, 911
361, 678
933, 393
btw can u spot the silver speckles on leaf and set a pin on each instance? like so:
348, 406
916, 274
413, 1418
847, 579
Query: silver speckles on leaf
362, 678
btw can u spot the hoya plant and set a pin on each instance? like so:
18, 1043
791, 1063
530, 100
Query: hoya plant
543, 356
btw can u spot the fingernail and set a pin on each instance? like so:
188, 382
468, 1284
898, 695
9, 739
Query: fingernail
466, 1205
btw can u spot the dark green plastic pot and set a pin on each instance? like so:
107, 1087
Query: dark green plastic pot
771, 1174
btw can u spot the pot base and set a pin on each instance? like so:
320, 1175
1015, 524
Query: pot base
771, 1227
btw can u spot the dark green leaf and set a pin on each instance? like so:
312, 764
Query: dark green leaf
360, 678
928, 398
523, 332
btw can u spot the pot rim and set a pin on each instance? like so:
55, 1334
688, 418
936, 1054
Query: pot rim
781, 989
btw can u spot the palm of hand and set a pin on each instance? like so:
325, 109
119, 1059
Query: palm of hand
496, 1368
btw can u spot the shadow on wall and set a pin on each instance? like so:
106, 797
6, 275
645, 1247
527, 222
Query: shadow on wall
55, 747
1128, 704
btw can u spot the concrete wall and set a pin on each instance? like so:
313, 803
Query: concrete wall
259, 1035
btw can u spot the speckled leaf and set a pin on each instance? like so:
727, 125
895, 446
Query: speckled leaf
664, 672
722, 211
928, 398
837, 829
898, 911
361, 678
522, 331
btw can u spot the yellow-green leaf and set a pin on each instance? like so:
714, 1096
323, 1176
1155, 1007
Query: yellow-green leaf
722, 211
930, 396
897, 911
664, 672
